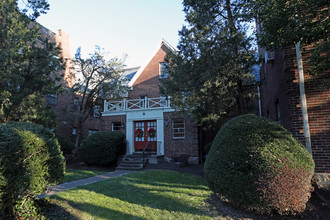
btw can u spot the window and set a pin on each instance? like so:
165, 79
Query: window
178, 128
74, 131
52, 99
96, 111
278, 112
163, 71
90, 132
142, 99
270, 55
75, 104
116, 126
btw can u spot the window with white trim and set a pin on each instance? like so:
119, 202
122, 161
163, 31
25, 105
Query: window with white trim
52, 99
90, 132
178, 128
163, 71
116, 126
96, 111
76, 104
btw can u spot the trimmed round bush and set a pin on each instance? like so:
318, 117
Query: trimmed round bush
66, 144
102, 147
256, 164
30, 161
207, 147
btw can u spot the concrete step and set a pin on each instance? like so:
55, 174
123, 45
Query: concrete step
129, 168
132, 161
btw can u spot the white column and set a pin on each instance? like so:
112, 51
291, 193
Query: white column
129, 137
160, 136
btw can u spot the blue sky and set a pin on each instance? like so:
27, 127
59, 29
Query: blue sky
132, 27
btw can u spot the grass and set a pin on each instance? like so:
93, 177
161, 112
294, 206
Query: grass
72, 174
142, 195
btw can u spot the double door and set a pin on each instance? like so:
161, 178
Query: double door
145, 132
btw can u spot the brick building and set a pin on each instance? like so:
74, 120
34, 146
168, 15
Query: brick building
147, 118
281, 102
65, 104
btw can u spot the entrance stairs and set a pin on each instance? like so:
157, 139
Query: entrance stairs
135, 161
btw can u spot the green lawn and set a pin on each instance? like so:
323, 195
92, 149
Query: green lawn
153, 194
72, 174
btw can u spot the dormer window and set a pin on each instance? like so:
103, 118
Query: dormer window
163, 71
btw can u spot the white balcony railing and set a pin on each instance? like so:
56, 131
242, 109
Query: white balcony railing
136, 104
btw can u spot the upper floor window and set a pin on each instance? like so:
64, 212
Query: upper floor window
96, 111
178, 128
142, 100
52, 99
163, 71
269, 55
76, 104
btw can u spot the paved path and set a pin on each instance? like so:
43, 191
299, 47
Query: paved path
73, 184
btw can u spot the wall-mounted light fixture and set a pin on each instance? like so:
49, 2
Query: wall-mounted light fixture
166, 122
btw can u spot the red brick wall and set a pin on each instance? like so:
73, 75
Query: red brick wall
108, 120
66, 114
281, 82
148, 81
176, 147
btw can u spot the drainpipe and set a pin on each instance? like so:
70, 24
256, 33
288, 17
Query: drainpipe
259, 100
303, 99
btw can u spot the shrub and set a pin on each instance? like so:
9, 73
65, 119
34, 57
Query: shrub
30, 161
102, 148
207, 147
66, 144
257, 164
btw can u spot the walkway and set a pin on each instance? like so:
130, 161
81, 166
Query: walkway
73, 184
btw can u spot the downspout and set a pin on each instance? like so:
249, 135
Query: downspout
259, 100
303, 99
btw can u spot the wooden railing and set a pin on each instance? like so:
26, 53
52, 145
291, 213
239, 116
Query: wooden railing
136, 104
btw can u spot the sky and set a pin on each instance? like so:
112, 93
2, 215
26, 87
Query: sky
131, 27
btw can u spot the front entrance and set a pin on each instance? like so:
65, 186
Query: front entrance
144, 132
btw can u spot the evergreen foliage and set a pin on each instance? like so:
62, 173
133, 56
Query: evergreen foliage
66, 144
285, 23
30, 161
210, 74
257, 164
102, 148
29, 65
207, 147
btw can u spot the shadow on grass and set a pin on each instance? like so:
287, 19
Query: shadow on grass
96, 211
54, 210
142, 189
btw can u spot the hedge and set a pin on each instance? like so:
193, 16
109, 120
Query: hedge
66, 144
30, 161
257, 164
102, 148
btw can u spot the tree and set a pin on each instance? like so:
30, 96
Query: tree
210, 75
285, 23
29, 65
98, 79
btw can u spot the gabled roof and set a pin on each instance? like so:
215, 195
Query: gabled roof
138, 73
130, 72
